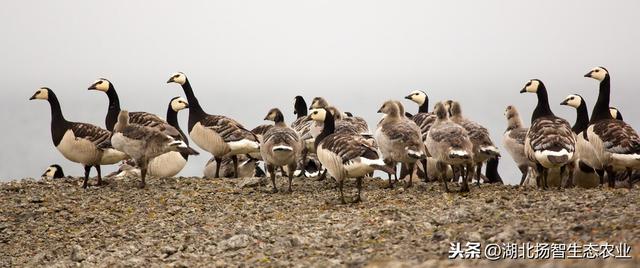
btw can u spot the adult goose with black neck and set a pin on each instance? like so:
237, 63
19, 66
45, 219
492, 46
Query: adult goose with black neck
586, 163
82, 143
219, 135
423, 118
345, 155
550, 143
617, 144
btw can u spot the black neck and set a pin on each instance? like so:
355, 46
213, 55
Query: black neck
542, 109
59, 124
195, 110
601, 108
172, 119
279, 119
582, 118
113, 110
300, 108
328, 128
424, 108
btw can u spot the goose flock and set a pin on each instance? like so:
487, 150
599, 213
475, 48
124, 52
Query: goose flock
322, 142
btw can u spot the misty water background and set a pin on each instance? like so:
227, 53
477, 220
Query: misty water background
245, 57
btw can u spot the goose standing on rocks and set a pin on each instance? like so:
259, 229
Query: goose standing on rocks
247, 167
399, 138
513, 140
587, 162
449, 144
550, 142
616, 144
280, 147
82, 143
144, 144
483, 147
53, 172
423, 118
219, 135
345, 155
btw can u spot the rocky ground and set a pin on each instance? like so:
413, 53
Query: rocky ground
199, 222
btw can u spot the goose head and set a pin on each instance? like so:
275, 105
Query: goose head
454, 108
417, 96
102, 84
390, 107
53, 172
274, 115
615, 113
598, 73
318, 102
319, 115
123, 121
510, 111
440, 111
179, 103
41, 94
299, 104
573, 100
179, 78
532, 86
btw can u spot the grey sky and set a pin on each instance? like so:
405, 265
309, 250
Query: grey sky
245, 57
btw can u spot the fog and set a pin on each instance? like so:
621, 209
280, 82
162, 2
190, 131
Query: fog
245, 57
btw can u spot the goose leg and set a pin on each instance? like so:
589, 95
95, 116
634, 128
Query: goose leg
218, 164
234, 158
143, 175
340, 186
291, 167
410, 169
539, 176
629, 177
87, 170
600, 173
424, 168
442, 168
466, 171
545, 176
323, 176
99, 175
612, 177
359, 187
524, 171
272, 172
478, 173
562, 170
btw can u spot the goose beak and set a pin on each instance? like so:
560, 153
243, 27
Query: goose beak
588, 74
564, 102
523, 90
92, 87
310, 108
32, 97
170, 80
44, 174
380, 110
408, 97
186, 106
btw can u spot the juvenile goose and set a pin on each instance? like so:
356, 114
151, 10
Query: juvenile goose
216, 134
247, 167
79, 142
587, 160
399, 138
483, 147
53, 172
550, 143
449, 144
345, 155
144, 144
513, 140
615, 113
280, 147
617, 145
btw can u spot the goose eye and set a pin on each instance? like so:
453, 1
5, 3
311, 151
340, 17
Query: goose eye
529, 84
597, 70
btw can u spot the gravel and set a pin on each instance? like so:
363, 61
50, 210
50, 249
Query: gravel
186, 222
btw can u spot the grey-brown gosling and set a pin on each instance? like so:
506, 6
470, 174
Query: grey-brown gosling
219, 135
247, 167
143, 144
449, 143
550, 142
281, 146
513, 140
81, 143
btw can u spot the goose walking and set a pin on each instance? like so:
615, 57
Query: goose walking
513, 140
219, 135
550, 142
399, 138
81, 143
345, 155
616, 144
281, 146
144, 144
449, 144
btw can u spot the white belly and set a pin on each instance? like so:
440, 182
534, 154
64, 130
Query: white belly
209, 140
332, 162
112, 156
79, 150
167, 165
587, 153
516, 151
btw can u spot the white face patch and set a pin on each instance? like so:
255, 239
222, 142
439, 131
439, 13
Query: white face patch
179, 104
598, 73
573, 100
50, 172
102, 85
532, 86
41, 94
418, 97
613, 112
179, 78
318, 114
